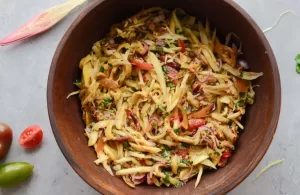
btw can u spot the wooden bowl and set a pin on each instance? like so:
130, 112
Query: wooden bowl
93, 23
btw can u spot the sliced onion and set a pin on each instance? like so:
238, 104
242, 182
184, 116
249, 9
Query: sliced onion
159, 42
188, 175
111, 41
228, 39
159, 18
174, 65
203, 80
146, 49
243, 64
220, 63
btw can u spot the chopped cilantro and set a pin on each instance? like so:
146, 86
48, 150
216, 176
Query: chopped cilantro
230, 122
217, 153
166, 179
242, 74
162, 108
186, 161
181, 32
159, 48
165, 70
166, 152
209, 154
109, 64
107, 100
101, 69
177, 131
240, 104
170, 84
179, 184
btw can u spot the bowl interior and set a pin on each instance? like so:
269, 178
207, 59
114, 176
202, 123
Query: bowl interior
65, 114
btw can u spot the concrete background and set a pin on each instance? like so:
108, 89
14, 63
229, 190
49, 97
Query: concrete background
23, 77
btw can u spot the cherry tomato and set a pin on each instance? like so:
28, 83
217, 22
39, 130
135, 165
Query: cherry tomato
195, 123
31, 137
140, 64
226, 155
6, 136
181, 44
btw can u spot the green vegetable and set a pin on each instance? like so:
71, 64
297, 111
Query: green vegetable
217, 153
177, 131
162, 108
107, 100
185, 161
182, 32
109, 64
77, 81
242, 74
101, 69
298, 63
14, 173
166, 152
170, 84
159, 48
240, 104
165, 70
230, 122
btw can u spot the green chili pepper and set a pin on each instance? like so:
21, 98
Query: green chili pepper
14, 173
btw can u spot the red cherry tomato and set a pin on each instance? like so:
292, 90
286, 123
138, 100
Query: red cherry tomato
31, 137
226, 155
181, 44
195, 123
140, 64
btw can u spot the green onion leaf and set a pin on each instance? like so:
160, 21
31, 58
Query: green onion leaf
177, 131
101, 69
159, 48
170, 84
165, 70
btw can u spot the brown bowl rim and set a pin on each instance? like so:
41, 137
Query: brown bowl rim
260, 154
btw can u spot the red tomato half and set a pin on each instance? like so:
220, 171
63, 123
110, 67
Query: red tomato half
31, 137
141, 65
181, 44
195, 123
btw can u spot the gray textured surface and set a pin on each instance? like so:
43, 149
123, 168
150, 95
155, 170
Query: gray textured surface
23, 77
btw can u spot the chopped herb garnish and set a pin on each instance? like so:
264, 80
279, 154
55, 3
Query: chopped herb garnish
126, 144
159, 48
166, 153
162, 108
217, 153
206, 131
177, 131
166, 179
186, 161
230, 122
165, 70
109, 64
77, 82
240, 104
107, 100
179, 184
170, 84
242, 74
101, 69
209, 154
180, 33
298, 63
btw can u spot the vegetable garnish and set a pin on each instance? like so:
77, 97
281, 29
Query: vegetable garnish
168, 103
14, 173
6, 137
297, 59
31, 137
269, 166
42, 22
281, 15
